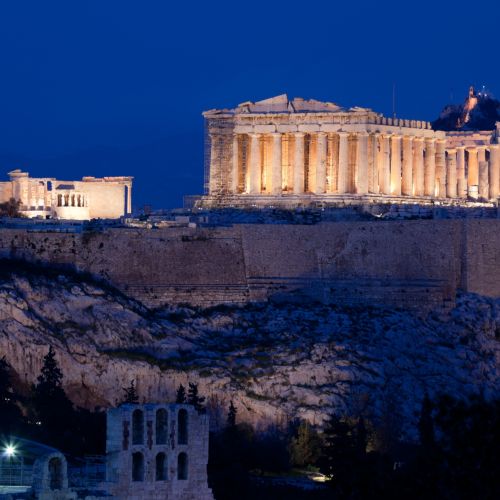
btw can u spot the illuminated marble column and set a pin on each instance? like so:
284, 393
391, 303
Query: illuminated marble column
494, 171
373, 164
214, 174
385, 167
320, 180
396, 165
407, 170
472, 173
451, 173
129, 198
332, 166
235, 165
461, 181
276, 169
441, 168
298, 163
430, 168
362, 164
483, 184
418, 166
342, 179
481, 153
255, 164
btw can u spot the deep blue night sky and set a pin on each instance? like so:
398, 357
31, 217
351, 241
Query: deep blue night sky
117, 87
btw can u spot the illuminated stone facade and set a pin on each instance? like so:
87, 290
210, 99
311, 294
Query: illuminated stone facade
292, 153
157, 451
90, 198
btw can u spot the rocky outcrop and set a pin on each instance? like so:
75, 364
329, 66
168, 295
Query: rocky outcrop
479, 111
275, 360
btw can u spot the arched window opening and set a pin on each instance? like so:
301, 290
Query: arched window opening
161, 467
182, 426
137, 427
161, 426
59, 200
182, 467
55, 474
137, 466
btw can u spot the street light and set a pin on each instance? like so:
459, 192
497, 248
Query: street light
9, 451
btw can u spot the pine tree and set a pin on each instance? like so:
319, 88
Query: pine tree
231, 415
180, 397
52, 407
130, 395
194, 398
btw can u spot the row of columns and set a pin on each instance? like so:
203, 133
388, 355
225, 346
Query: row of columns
398, 165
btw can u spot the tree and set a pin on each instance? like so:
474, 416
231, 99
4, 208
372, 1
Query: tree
10, 414
305, 446
52, 407
10, 208
194, 398
344, 457
426, 424
231, 414
130, 395
180, 397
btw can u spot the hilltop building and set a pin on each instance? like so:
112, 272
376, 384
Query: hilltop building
281, 152
90, 198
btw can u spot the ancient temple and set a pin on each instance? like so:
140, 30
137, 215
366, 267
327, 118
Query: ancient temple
89, 198
281, 152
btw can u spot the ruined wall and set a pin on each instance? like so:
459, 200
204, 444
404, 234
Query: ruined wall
410, 263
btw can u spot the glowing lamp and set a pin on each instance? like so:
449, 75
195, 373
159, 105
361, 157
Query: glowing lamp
10, 451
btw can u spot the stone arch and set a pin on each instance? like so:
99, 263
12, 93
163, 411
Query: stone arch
161, 467
182, 466
182, 426
137, 466
50, 473
137, 427
161, 426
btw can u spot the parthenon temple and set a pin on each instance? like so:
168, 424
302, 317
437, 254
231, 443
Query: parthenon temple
297, 152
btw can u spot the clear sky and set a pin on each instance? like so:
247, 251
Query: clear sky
117, 87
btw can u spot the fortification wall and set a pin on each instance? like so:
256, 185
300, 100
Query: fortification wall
407, 263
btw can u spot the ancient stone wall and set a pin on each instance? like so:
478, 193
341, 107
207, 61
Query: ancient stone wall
157, 451
408, 263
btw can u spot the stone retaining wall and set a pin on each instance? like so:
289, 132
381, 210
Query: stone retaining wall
407, 263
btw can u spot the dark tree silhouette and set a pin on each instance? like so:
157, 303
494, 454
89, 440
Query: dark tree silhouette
10, 413
195, 399
180, 397
53, 410
130, 394
231, 414
10, 208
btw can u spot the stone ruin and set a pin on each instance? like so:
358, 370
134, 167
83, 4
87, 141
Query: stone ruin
153, 451
157, 451
50, 478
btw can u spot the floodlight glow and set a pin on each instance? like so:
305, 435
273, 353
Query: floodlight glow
10, 451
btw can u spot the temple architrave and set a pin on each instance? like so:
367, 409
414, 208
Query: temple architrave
90, 198
281, 152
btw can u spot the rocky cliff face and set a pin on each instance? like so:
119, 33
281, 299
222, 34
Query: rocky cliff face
274, 360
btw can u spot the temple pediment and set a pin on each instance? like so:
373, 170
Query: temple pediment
282, 104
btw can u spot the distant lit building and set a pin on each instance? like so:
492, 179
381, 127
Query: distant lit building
90, 198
